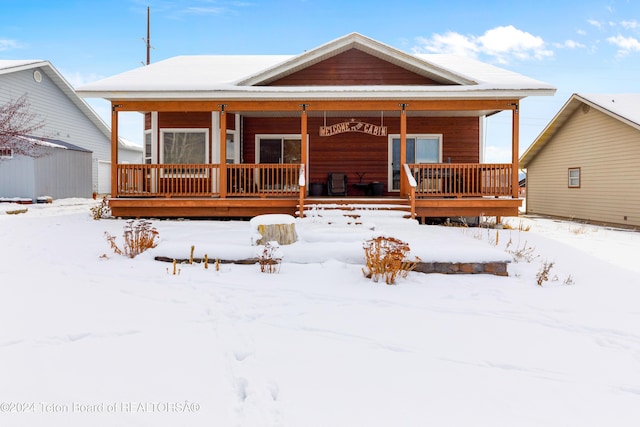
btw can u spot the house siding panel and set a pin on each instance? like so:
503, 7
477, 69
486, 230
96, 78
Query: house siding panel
63, 174
17, 177
608, 154
353, 67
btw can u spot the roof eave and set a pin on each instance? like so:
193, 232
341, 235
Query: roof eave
320, 93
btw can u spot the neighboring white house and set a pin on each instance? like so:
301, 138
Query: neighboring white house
69, 121
585, 164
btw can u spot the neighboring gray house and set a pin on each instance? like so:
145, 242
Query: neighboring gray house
72, 128
585, 164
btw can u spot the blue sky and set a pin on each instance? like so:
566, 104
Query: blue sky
577, 46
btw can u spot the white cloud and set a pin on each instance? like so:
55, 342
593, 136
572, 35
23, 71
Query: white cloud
630, 25
569, 44
207, 10
594, 23
496, 154
77, 79
7, 44
625, 45
501, 43
450, 42
581, 32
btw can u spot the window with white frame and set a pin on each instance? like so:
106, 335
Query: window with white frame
574, 177
425, 148
147, 147
184, 146
278, 149
6, 153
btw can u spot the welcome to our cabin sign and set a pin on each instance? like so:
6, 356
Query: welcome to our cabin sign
353, 126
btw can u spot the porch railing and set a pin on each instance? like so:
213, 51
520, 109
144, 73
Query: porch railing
274, 180
142, 180
200, 180
462, 179
265, 180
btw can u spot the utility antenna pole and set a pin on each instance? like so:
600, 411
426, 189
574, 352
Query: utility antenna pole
148, 39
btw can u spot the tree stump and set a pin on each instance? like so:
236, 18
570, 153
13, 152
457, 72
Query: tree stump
274, 228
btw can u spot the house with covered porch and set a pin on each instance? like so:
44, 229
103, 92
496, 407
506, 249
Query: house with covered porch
351, 120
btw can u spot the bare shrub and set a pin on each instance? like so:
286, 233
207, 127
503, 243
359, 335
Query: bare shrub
269, 259
521, 253
101, 210
543, 275
137, 238
386, 257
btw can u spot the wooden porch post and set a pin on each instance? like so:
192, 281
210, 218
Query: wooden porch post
114, 150
304, 158
403, 148
515, 132
223, 152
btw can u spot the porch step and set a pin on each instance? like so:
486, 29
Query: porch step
366, 214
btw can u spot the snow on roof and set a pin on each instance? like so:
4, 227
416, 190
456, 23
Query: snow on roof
12, 65
238, 75
54, 143
126, 143
623, 105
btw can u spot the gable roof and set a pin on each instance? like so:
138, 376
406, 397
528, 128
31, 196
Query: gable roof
11, 66
364, 44
622, 107
247, 77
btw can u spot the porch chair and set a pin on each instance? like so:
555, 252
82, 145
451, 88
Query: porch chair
337, 185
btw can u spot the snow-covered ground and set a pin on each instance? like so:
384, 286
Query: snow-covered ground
90, 338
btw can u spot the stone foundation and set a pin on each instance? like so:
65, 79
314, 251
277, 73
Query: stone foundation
495, 268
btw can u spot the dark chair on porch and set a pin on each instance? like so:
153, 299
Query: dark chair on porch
337, 185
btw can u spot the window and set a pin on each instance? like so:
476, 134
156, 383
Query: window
184, 146
574, 177
147, 147
6, 153
420, 149
231, 148
278, 149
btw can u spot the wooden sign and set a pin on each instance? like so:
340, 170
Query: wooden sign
353, 126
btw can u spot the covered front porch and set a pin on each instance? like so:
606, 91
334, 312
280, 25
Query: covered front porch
433, 190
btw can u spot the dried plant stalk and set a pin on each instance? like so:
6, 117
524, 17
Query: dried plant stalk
137, 238
386, 257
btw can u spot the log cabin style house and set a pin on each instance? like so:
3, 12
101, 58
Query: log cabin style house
242, 135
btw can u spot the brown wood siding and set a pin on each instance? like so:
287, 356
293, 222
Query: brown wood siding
358, 152
607, 151
184, 120
353, 67
170, 120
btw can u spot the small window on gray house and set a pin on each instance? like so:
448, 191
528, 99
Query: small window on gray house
574, 177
